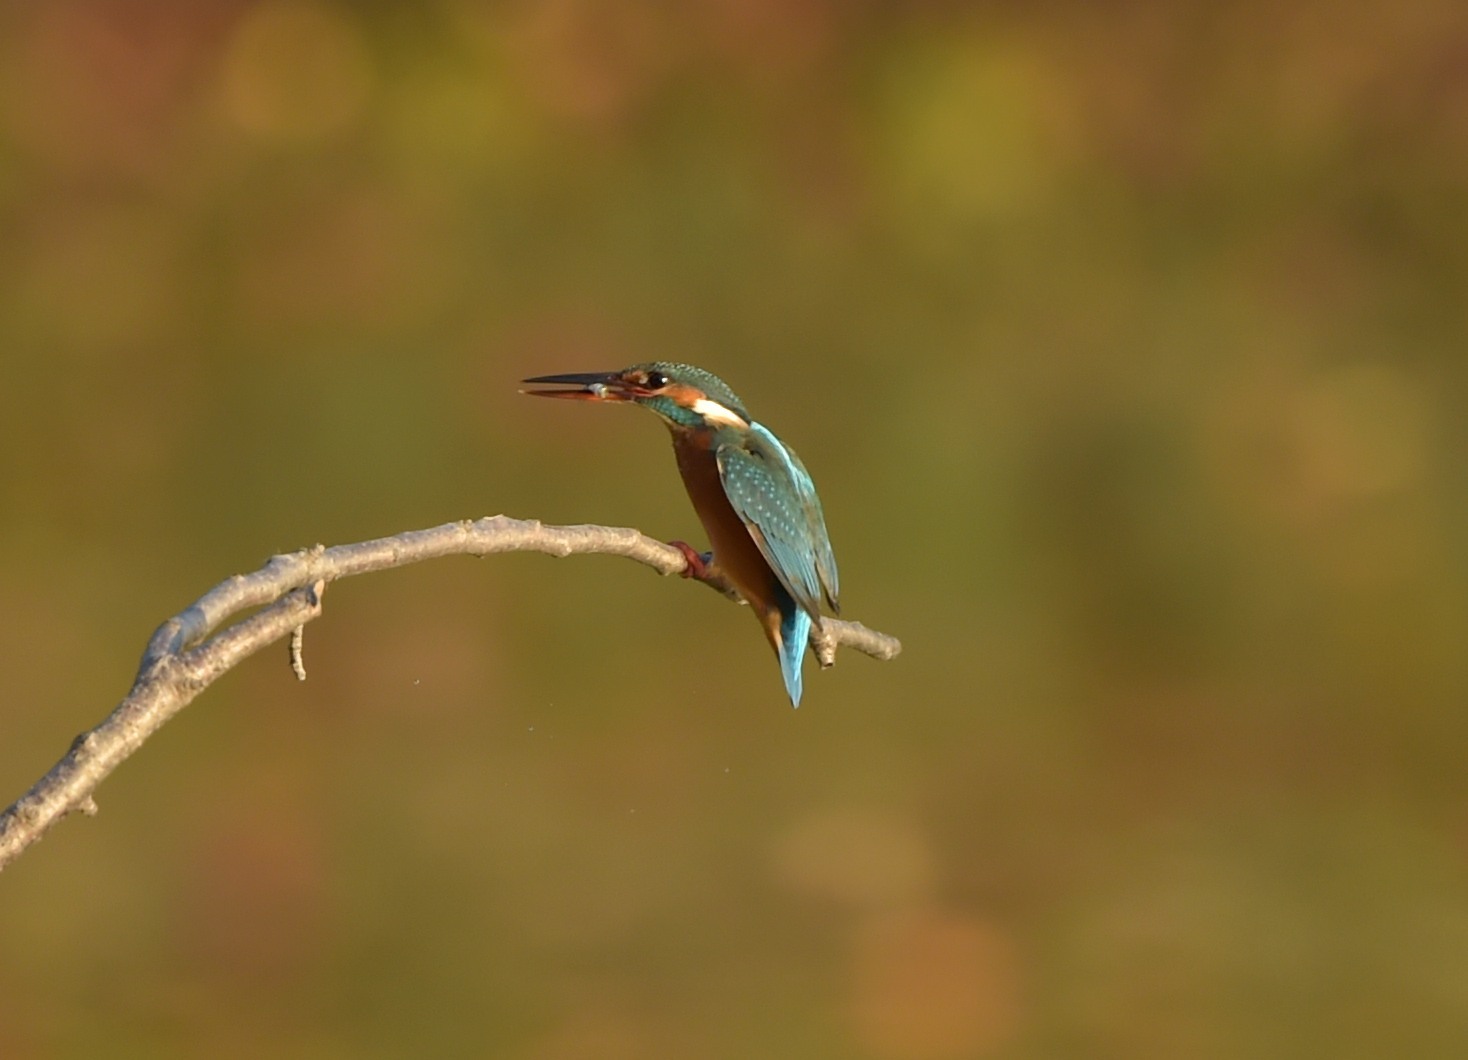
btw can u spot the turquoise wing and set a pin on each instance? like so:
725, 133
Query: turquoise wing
772, 492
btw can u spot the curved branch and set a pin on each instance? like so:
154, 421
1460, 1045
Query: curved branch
186, 654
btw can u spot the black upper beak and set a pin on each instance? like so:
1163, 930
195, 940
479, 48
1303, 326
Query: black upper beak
581, 386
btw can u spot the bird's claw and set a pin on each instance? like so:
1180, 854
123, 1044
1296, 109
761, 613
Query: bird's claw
697, 564
700, 566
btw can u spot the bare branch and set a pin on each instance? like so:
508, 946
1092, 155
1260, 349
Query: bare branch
191, 650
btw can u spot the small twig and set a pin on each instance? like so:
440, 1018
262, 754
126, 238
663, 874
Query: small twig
191, 650
298, 638
298, 658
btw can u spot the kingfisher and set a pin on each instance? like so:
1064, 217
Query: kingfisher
751, 492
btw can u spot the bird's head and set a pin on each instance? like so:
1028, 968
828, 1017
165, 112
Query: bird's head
684, 396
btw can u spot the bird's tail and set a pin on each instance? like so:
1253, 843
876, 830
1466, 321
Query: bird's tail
794, 633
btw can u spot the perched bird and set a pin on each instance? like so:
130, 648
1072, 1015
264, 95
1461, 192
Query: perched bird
751, 492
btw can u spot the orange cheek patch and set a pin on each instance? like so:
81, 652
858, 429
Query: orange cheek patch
681, 394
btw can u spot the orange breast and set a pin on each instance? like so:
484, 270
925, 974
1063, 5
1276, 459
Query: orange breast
734, 550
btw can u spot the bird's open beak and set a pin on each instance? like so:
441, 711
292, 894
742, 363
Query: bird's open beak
582, 386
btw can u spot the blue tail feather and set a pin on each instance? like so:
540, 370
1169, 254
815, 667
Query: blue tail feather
794, 633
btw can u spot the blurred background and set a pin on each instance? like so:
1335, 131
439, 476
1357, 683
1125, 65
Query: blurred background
1125, 341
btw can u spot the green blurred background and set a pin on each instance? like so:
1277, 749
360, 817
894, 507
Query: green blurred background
1125, 341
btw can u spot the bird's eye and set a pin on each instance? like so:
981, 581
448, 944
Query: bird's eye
655, 381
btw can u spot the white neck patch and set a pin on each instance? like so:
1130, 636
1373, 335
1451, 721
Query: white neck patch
715, 413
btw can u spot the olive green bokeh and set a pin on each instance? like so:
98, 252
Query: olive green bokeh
1125, 342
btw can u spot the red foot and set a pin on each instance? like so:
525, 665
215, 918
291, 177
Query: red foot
698, 563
